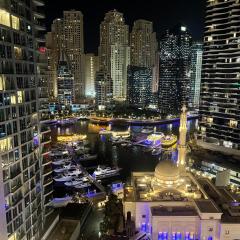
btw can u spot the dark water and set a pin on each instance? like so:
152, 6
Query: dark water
128, 158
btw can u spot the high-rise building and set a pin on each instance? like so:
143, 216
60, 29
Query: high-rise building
74, 47
23, 192
174, 77
195, 77
144, 49
114, 52
54, 45
220, 86
139, 86
91, 67
103, 86
65, 82
67, 35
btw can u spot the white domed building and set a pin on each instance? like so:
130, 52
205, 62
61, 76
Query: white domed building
173, 204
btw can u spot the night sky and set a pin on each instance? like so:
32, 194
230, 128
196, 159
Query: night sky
163, 13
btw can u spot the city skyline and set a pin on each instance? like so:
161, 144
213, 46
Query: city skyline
186, 12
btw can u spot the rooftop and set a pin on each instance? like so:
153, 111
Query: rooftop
173, 211
206, 206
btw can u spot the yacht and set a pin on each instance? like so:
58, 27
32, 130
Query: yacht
76, 172
58, 153
60, 162
85, 157
147, 130
73, 183
169, 140
104, 172
82, 185
64, 168
63, 178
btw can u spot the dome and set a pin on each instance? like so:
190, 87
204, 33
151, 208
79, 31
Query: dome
167, 171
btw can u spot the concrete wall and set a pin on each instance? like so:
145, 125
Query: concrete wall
230, 231
175, 224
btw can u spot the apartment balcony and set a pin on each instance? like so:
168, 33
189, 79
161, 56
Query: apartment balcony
47, 180
47, 169
38, 3
46, 160
39, 26
39, 14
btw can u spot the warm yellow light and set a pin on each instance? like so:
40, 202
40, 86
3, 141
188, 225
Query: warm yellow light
20, 96
4, 18
15, 22
13, 99
18, 52
6, 144
71, 138
2, 82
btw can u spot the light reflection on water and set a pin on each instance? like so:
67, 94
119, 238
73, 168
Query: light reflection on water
128, 158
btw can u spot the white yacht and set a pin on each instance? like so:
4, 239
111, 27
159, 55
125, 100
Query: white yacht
63, 178
65, 168
102, 172
88, 157
73, 183
76, 172
58, 153
82, 185
60, 162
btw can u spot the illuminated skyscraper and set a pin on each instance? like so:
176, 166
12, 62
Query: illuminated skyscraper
114, 52
139, 86
103, 86
220, 87
74, 47
91, 67
195, 79
144, 49
65, 81
175, 61
67, 35
25, 180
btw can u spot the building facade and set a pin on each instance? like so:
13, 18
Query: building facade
65, 82
91, 67
173, 203
195, 78
114, 52
103, 86
144, 49
174, 77
67, 35
219, 105
22, 194
139, 86
74, 47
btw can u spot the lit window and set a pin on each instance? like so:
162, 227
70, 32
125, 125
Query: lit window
210, 120
6, 144
2, 82
13, 99
15, 22
233, 123
4, 18
18, 53
20, 96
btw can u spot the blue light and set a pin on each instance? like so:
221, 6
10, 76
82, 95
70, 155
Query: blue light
163, 236
210, 238
187, 236
144, 227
